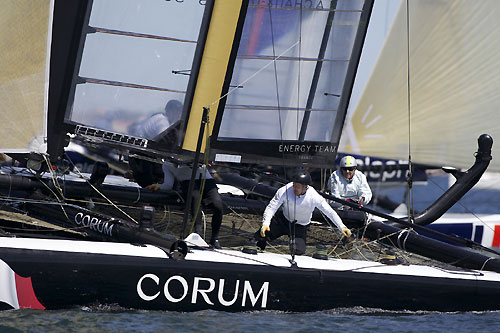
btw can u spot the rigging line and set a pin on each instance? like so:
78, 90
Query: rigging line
277, 88
410, 175
298, 72
291, 225
101, 194
296, 116
59, 201
48, 228
54, 177
39, 201
252, 76
234, 255
243, 218
486, 261
355, 247
100, 203
51, 190
467, 210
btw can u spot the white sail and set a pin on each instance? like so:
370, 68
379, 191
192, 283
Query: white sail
453, 86
24, 59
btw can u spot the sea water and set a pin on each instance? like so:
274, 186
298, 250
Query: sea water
340, 320
483, 198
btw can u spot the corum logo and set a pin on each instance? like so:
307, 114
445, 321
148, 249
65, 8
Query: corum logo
94, 223
199, 294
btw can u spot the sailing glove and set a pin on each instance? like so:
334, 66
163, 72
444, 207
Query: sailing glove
263, 230
346, 232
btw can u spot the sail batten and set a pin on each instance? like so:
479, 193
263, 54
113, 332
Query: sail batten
269, 57
128, 85
139, 35
304, 8
270, 107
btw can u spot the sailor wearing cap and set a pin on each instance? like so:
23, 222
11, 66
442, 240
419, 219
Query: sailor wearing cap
298, 200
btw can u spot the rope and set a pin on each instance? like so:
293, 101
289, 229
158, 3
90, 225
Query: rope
410, 175
484, 264
400, 234
251, 76
467, 210
99, 192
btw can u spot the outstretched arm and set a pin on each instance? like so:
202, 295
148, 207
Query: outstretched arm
333, 216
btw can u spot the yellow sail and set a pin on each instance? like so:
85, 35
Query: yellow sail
454, 80
24, 49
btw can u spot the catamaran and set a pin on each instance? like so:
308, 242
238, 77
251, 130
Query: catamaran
265, 84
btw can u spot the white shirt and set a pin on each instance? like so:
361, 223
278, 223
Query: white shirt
183, 172
353, 188
299, 208
152, 126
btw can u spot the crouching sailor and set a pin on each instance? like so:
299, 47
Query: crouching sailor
349, 184
299, 200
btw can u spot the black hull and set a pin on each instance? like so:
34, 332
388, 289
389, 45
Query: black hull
65, 279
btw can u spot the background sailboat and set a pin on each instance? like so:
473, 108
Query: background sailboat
453, 67
439, 89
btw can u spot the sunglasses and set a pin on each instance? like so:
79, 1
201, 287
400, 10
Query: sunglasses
350, 168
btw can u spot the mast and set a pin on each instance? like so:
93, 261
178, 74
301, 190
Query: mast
70, 18
187, 209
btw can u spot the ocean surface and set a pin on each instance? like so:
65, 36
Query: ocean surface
340, 320
483, 198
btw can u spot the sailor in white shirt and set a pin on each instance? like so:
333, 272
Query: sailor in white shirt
299, 200
349, 184
159, 122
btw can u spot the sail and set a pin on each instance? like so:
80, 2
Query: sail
214, 65
286, 97
276, 77
132, 69
451, 96
24, 58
